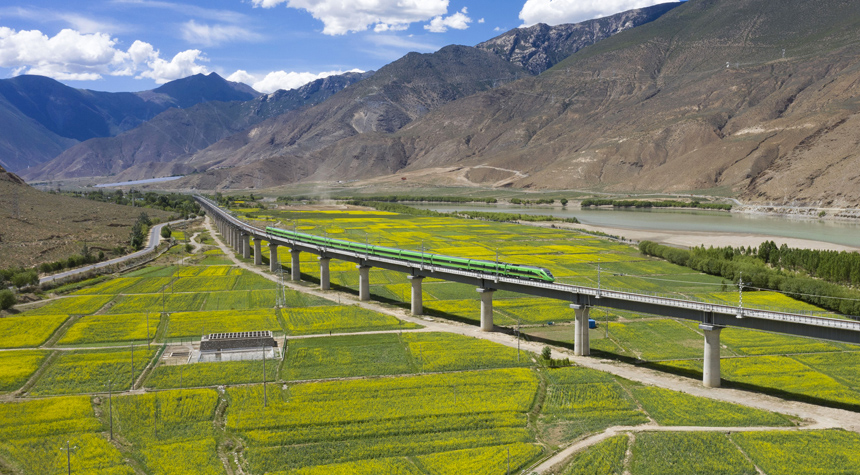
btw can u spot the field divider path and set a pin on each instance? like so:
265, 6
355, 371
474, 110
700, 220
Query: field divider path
821, 417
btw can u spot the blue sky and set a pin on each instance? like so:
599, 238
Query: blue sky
134, 45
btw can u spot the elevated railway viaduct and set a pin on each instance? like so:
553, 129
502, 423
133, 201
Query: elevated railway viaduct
712, 318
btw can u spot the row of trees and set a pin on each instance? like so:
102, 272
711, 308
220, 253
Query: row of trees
435, 199
732, 264
654, 204
182, 204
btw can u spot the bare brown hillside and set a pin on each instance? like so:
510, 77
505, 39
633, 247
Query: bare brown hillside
37, 227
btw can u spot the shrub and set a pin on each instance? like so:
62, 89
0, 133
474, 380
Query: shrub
7, 299
166, 232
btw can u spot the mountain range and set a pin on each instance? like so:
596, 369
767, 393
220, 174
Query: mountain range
729, 95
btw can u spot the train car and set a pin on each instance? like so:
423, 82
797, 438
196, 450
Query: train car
475, 265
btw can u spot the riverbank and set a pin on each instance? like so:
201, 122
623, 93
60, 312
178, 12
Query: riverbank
687, 239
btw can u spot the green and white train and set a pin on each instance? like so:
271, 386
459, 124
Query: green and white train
474, 265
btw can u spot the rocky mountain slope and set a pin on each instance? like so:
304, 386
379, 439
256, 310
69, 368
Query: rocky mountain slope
729, 94
42, 117
151, 149
540, 47
394, 96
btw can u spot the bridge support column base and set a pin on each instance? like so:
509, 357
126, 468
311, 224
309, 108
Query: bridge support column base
417, 298
325, 281
581, 342
486, 309
363, 283
711, 366
258, 253
246, 246
295, 266
274, 264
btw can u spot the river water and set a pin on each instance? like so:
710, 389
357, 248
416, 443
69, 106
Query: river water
838, 232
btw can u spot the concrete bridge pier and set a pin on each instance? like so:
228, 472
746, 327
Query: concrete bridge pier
363, 283
295, 267
711, 367
258, 252
486, 309
274, 265
417, 299
246, 246
237, 241
581, 343
325, 280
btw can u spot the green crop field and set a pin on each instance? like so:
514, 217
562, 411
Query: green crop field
83, 305
671, 408
211, 374
658, 339
154, 303
398, 412
28, 331
674, 453
32, 433
111, 328
346, 356
802, 453
16, 367
605, 458
184, 324
77, 372
451, 352
339, 319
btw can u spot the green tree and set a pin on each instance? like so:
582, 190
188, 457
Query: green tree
166, 232
7, 299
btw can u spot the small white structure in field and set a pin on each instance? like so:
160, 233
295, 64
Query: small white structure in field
238, 346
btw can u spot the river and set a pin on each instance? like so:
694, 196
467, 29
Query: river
643, 222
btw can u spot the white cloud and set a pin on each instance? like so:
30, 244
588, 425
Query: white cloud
340, 17
182, 65
275, 80
72, 55
225, 16
481, 21
211, 35
458, 21
556, 12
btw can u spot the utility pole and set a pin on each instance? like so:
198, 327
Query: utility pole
132, 366
69, 455
518, 339
147, 330
740, 295
265, 399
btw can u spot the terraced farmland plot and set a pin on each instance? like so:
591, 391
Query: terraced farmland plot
253, 282
185, 440
215, 261
344, 421
189, 271
16, 367
185, 324
109, 287
839, 366
687, 453
658, 339
802, 453
240, 300
346, 356
787, 375
535, 310
111, 328
32, 432
83, 305
153, 302
672, 408
204, 284
28, 331
211, 374
450, 291
581, 400
301, 299
463, 310
481, 461
451, 352
605, 458
339, 319
77, 372
154, 271
750, 342
389, 466
220, 271
149, 285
